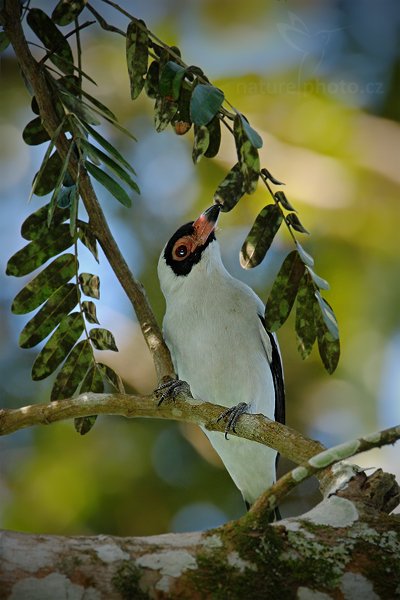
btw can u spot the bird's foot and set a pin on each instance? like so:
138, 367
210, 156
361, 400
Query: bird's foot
231, 416
171, 389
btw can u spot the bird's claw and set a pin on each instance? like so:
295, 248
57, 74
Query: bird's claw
171, 389
231, 415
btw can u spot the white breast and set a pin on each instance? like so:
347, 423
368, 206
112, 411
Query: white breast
213, 330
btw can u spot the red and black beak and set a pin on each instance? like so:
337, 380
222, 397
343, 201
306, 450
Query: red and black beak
206, 223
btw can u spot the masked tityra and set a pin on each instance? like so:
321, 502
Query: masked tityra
214, 329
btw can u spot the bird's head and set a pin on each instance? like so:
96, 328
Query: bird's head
191, 249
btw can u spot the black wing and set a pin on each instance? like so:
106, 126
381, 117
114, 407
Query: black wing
277, 376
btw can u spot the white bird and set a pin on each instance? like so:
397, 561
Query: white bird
214, 329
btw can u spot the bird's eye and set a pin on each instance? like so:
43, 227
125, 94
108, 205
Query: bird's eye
181, 251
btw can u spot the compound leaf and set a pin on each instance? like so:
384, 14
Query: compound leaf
45, 284
201, 142
260, 236
137, 52
205, 103
284, 290
52, 38
67, 11
90, 285
112, 377
103, 339
305, 325
230, 190
73, 371
37, 252
59, 345
109, 183
89, 310
35, 225
49, 316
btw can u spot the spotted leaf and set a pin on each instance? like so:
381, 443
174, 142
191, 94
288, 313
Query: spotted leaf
59, 272
284, 290
103, 339
73, 372
260, 236
58, 346
137, 53
37, 252
49, 316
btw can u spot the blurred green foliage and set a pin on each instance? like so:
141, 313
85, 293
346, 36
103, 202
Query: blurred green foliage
329, 134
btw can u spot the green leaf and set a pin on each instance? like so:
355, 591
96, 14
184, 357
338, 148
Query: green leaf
59, 345
230, 190
205, 103
281, 197
93, 382
67, 11
89, 309
252, 135
248, 156
65, 197
293, 220
137, 41
164, 111
57, 306
151, 85
34, 133
305, 325
103, 339
284, 290
52, 38
33, 255
181, 120
260, 236
56, 192
71, 84
214, 128
328, 316
305, 257
268, 175
95, 153
90, 285
109, 183
201, 142
4, 41
51, 173
321, 283
112, 377
35, 225
46, 178
76, 106
84, 424
328, 345
73, 210
171, 78
73, 371
60, 271
88, 238
109, 147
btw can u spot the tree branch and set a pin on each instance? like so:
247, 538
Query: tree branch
266, 504
258, 428
34, 74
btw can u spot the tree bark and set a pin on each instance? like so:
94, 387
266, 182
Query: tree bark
346, 547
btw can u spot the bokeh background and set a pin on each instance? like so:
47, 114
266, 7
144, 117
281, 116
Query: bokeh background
320, 82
